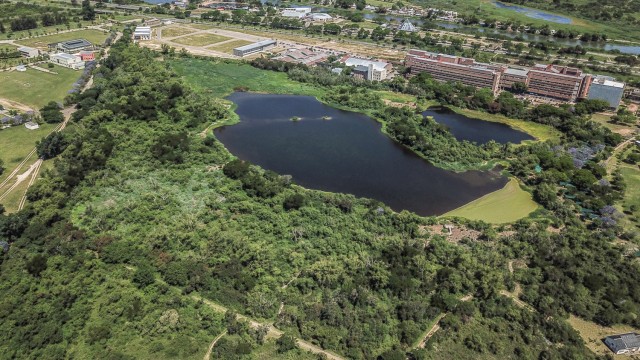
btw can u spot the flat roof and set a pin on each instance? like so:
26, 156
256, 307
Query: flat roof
518, 72
65, 56
76, 43
255, 45
354, 61
25, 48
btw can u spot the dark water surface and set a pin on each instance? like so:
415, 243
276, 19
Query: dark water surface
346, 154
476, 130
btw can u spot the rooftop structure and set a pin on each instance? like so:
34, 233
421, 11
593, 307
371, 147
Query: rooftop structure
303, 56
552, 81
407, 26
254, 48
142, 33
603, 88
319, 17
452, 68
297, 12
31, 125
72, 46
67, 60
624, 344
378, 70
28, 51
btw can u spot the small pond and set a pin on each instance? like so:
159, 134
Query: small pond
346, 153
476, 130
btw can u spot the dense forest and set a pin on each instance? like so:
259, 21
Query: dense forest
143, 215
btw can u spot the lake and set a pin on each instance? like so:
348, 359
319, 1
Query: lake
346, 154
476, 130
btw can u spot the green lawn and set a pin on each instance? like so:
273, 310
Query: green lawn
200, 39
176, 31
16, 142
604, 120
506, 205
539, 131
228, 76
36, 88
93, 36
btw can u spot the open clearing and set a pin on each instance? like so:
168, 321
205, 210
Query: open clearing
229, 46
174, 31
36, 88
16, 142
592, 334
199, 73
96, 37
506, 205
200, 39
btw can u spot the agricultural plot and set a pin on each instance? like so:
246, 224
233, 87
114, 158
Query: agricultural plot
200, 39
36, 88
95, 37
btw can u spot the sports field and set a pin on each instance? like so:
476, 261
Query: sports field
96, 37
200, 39
36, 88
506, 205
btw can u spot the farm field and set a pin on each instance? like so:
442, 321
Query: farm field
200, 39
229, 46
36, 88
96, 37
506, 205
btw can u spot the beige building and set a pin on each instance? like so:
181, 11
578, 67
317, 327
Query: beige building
67, 60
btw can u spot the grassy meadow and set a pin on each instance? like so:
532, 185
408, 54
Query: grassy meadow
36, 88
201, 39
506, 205
631, 175
174, 31
16, 142
230, 76
96, 37
229, 46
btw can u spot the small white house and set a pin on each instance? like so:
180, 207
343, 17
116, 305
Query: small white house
67, 60
21, 68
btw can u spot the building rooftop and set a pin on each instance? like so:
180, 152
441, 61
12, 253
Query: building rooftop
625, 341
255, 45
607, 81
26, 49
353, 61
65, 56
75, 44
518, 72
361, 68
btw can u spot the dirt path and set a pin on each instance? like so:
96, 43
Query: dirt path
607, 163
272, 332
431, 331
10, 104
207, 356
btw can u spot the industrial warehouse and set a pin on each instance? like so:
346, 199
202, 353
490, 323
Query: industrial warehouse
550, 81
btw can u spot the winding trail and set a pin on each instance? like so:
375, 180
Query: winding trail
272, 332
207, 356
616, 150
